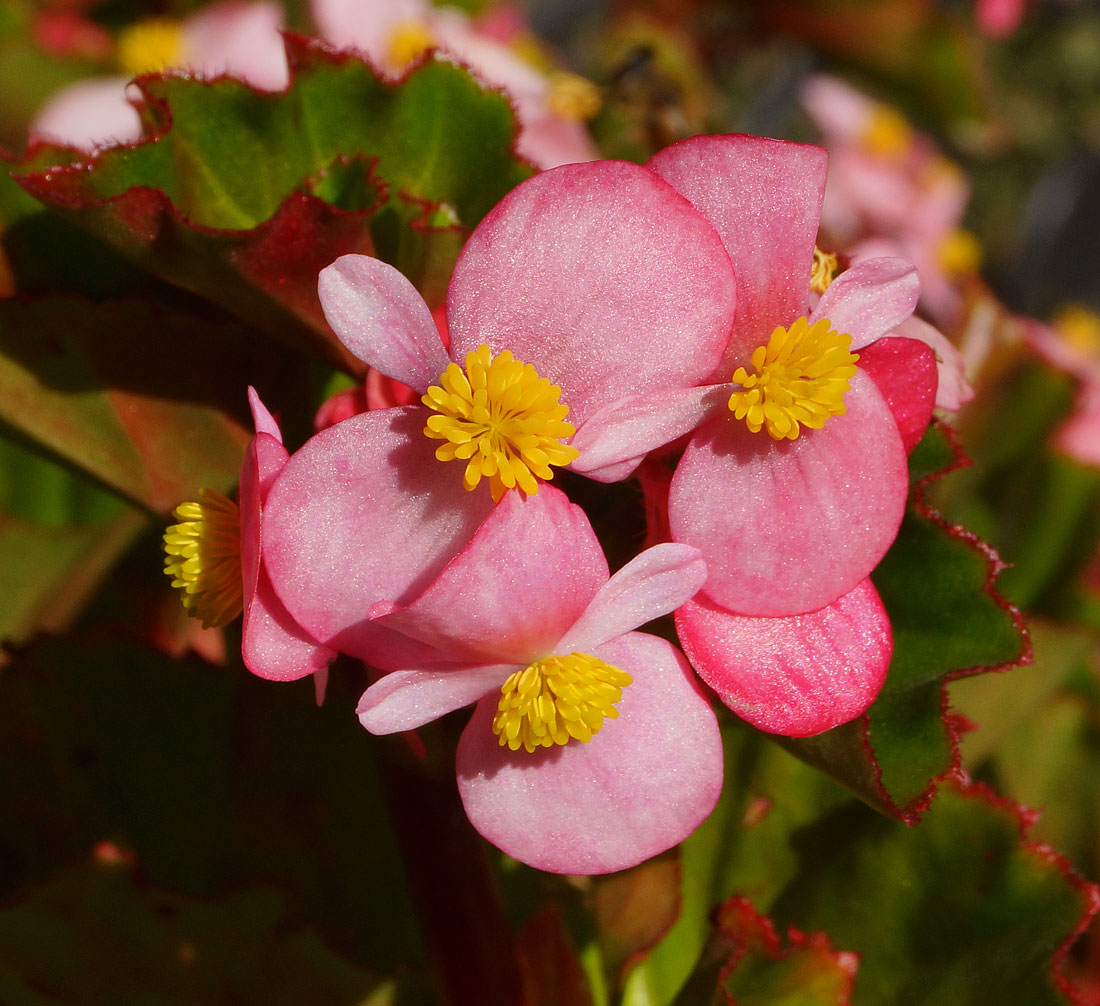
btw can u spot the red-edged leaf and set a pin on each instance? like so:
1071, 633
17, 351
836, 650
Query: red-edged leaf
937, 583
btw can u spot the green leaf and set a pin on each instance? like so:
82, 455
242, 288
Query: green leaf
936, 584
137, 396
229, 197
95, 933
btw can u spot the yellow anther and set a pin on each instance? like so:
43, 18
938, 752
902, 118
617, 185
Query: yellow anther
502, 419
558, 699
801, 378
573, 97
150, 47
204, 558
408, 41
1080, 328
888, 133
959, 253
826, 266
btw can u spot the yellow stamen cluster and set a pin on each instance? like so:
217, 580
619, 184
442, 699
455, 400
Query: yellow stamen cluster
887, 133
824, 270
1080, 328
573, 97
150, 47
959, 253
801, 378
408, 41
204, 558
556, 699
502, 419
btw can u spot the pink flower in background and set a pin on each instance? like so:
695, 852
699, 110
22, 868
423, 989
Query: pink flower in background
241, 40
892, 192
794, 480
591, 747
214, 558
394, 33
587, 284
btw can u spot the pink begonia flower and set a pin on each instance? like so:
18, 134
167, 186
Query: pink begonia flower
526, 623
999, 18
392, 34
241, 40
887, 181
790, 528
599, 277
214, 556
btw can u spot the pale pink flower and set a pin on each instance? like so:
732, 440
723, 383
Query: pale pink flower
394, 33
600, 276
528, 595
240, 40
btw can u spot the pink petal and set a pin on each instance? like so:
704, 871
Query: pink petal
798, 675
407, 699
601, 277
263, 461
92, 113
652, 584
262, 420
787, 527
526, 576
764, 197
905, 372
239, 39
630, 428
952, 388
364, 513
273, 645
870, 299
642, 784
380, 317
364, 25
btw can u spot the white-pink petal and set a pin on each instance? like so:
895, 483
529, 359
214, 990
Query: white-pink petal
798, 675
953, 390
89, 114
600, 276
652, 584
870, 299
407, 699
646, 781
787, 527
378, 314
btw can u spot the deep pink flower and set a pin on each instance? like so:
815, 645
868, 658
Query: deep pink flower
525, 609
394, 33
226, 38
787, 629
600, 276
214, 558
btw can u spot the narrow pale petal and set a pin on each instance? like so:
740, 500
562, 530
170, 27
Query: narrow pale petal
952, 388
787, 527
263, 461
262, 420
654, 583
380, 317
870, 299
643, 783
407, 699
798, 675
764, 197
905, 372
631, 427
363, 513
528, 574
600, 276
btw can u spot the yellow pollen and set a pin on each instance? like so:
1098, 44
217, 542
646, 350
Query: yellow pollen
1080, 328
959, 253
204, 558
573, 97
888, 133
409, 40
557, 699
150, 47
801, 378
502, 419
825, 267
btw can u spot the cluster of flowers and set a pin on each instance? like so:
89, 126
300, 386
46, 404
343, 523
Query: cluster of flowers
613, 319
